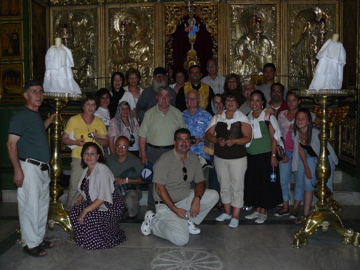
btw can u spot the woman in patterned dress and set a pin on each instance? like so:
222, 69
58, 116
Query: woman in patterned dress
98, 209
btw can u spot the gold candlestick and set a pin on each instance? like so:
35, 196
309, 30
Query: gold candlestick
57, 214
324, 213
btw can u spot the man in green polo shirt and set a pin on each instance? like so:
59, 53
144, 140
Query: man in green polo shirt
157, 130
178, 207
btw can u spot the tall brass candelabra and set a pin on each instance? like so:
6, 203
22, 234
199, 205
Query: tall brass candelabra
57, 214
325, 213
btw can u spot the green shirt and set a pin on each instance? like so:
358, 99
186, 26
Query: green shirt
159, 128
260, 145
33, 142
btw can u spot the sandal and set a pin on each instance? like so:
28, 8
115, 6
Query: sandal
46, 244
35, 252
298, 221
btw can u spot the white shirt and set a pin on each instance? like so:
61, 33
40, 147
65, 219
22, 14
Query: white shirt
217, 85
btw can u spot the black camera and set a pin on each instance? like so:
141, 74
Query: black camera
193, 140
131, 140
91, 135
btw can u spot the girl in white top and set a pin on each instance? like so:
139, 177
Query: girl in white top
132, 90
104, 101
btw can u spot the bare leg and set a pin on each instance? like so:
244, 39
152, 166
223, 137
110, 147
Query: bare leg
296, 206
236, 212
227, 208
262, 211
308, 197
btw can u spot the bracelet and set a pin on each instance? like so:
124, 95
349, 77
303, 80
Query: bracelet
198, 196
127, 180
236, 141
274, 155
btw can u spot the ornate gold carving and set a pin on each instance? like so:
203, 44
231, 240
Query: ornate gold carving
305, 39
348, 139
248, 54
176, 14
82, 42
208, 13
138, 49
335, 118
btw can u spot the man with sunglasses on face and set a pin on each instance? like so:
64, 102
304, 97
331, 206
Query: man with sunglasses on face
178, 207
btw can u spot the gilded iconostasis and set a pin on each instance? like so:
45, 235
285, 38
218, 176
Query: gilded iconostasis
115, 35
241, 35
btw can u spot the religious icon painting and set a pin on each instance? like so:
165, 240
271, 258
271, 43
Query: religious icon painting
11, 45
10, 9
12, 80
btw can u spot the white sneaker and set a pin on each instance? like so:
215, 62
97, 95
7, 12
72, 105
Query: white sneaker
146, 225
223, 217
192, 228
261, 219
252, 215
234, 223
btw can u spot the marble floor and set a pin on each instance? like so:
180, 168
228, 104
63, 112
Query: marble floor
250, 246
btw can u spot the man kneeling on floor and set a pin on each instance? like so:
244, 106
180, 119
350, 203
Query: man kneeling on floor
178, 207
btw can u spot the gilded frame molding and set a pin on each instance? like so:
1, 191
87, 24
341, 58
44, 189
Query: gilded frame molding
40, 4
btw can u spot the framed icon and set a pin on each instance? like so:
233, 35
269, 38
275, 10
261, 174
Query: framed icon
12, 80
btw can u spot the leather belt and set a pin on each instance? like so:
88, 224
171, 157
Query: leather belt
161, 147
43, 166
159, 202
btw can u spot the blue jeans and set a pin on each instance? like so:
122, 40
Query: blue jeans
285, 174
311, 184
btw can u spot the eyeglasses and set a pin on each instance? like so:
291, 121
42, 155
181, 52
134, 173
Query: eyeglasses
184, 173
121, 146
83, 183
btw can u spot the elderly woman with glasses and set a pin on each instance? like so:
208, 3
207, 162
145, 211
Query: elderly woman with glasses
98, 209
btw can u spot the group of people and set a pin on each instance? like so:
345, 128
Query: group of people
215, 132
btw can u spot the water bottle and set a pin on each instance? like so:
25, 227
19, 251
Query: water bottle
273, 177
122, 190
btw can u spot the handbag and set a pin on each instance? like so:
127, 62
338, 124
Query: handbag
209, 145
280, 152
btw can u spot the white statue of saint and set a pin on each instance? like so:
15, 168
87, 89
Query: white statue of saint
329, 70
58, 74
